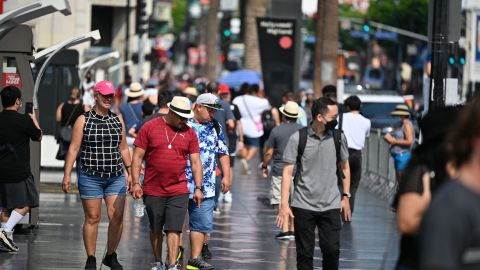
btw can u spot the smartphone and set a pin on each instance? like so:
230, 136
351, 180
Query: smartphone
29, 108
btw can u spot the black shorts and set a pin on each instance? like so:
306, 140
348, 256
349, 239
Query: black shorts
19, 194
166, 213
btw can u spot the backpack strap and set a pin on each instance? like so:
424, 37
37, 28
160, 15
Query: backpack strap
337, 140
340, 122
216, 126
302, 143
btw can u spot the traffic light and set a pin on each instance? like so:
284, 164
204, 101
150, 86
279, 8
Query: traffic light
366, 25
141, 17
461, 56
225, 34
451, 59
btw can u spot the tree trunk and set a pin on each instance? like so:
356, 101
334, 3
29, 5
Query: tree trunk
326, 46
255, 8
212, 34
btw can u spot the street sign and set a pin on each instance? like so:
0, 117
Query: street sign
475, 47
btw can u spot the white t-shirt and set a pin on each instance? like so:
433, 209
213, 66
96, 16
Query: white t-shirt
356, 128
252, 128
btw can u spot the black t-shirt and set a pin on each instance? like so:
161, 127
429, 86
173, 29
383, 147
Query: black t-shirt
450, 230
70, 110
15, 134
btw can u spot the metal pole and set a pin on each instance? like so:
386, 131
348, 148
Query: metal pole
141, 56
439, 53
127, 37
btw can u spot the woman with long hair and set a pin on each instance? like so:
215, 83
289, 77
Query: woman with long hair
99, 137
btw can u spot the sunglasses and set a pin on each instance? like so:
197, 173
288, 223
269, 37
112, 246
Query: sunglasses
107, 96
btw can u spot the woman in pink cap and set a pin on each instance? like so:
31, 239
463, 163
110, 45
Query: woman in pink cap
98, 139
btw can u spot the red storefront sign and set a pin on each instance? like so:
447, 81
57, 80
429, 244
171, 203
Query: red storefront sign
12, 79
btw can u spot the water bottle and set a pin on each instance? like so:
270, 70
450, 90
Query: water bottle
139, 208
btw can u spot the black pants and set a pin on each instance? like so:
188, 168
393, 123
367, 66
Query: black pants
329, 225
355, 161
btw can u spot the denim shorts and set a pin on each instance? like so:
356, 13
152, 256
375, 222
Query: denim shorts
94, 187
201, 219
253, 142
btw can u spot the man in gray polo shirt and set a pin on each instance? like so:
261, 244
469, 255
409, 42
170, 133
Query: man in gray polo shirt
317, 200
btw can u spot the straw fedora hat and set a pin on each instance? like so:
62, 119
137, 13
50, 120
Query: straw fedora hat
134, 90
190, 91
401, 110
181, 106
290, 109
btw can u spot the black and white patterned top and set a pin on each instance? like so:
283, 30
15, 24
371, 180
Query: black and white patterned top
100, 152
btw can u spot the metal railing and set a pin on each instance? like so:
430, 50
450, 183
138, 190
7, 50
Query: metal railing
378, 172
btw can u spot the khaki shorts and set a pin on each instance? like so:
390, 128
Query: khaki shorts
276, 190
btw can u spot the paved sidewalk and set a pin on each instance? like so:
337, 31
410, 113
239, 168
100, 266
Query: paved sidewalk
243, 236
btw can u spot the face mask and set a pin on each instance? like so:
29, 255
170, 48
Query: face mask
331, 124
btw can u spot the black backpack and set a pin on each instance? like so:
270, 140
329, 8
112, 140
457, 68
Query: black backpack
337, 140
267, 121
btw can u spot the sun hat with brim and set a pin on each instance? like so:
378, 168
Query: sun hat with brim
209, 100
105, 88
135, 90
290, 109
190, 91
401, 110
181, 106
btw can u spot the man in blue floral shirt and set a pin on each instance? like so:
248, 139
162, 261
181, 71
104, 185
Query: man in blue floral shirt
212, 143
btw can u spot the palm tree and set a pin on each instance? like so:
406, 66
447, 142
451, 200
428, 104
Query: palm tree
326, 45
255, 8
212, 33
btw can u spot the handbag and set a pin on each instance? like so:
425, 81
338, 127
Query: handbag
62, 150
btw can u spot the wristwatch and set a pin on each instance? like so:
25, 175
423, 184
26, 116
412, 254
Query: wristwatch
347, 194
199, 188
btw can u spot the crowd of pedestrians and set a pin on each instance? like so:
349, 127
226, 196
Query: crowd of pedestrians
173, 145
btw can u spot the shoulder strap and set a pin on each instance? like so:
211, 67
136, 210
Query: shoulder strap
337, 140
216, 127
248, 110
133, 112
340, 122
302, 143
71, 114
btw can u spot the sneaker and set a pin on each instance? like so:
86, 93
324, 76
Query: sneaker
4, 248
91, 263
156, 266
7, 239
245, 169
216, 211
206, 254
172, 267
291, 235
283, 236
180, 256
227, 197
112, 262
199, 264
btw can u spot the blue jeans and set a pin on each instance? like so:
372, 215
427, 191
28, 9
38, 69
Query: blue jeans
201, 219
94, 187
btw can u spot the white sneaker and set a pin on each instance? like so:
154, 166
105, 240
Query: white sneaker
156, 266
227, 197
245, 169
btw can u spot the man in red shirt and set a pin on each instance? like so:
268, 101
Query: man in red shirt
165, 142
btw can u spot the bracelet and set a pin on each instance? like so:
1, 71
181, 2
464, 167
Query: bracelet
135, 184
199, 188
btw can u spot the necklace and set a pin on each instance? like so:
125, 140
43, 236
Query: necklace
168, 140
